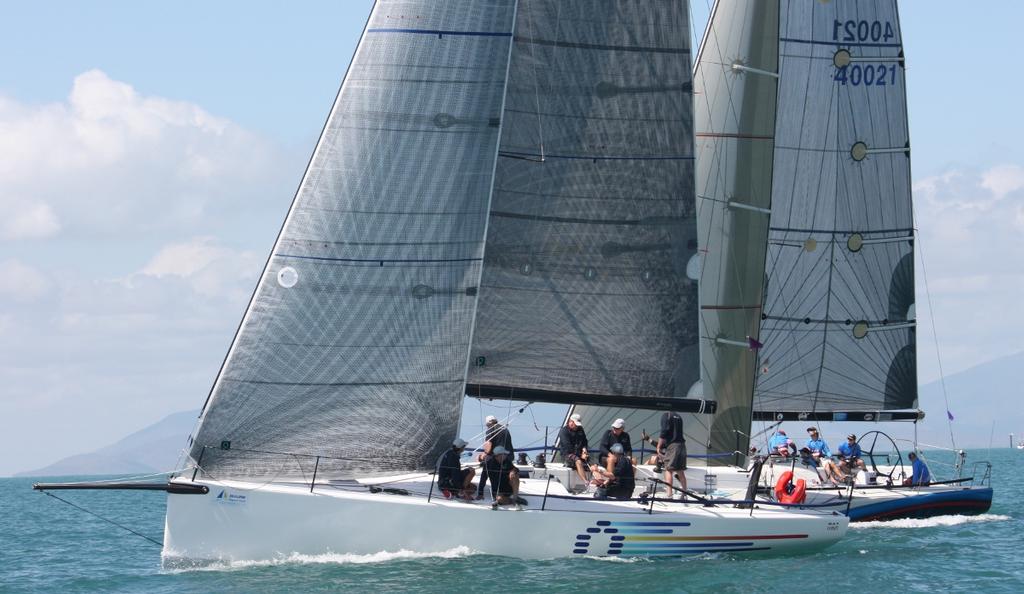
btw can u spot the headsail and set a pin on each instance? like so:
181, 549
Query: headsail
736, 80
838, 321
589, 283
355, 343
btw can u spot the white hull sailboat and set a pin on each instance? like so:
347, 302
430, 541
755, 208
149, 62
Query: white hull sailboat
242, 521
501, 205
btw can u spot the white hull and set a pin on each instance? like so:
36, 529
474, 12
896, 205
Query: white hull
246, 521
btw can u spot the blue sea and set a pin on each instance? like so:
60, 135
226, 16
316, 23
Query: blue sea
48, 546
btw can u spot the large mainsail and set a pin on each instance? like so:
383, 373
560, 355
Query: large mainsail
838, 321
589, 282
355, 344
837, 305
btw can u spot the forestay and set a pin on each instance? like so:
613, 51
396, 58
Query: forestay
355, 344
589, 283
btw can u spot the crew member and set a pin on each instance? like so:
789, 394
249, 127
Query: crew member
616, 435
921, 476
672, 449
503, 476
850, 455
572, 442
495, 434
451, 476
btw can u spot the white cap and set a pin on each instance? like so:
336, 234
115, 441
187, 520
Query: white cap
499, 450
459, 443
619, 424
577, 419
490, 419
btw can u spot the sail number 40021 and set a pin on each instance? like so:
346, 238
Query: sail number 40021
862, 31
870, 74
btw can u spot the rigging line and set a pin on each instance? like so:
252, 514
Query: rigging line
91, 513
935, 336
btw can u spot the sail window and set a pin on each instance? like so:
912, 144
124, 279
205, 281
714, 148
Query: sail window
855, 242
860, 329
422, 291
810, 244
444, 120
842, 58
693, 267
858, 151
287, 277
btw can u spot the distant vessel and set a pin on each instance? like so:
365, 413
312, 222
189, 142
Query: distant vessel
501, 204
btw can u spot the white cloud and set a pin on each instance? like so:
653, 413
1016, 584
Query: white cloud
969, 229
20, 282
1003, 179
112, 161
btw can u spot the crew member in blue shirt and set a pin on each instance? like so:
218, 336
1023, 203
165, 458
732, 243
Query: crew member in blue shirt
921, 477
781, 444
850, 454
822, 455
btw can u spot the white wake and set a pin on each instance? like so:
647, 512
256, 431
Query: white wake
930, 522
174, 564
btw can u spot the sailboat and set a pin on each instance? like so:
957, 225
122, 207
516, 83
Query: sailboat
807, 286
500, 205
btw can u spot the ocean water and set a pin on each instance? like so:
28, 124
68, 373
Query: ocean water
47, 546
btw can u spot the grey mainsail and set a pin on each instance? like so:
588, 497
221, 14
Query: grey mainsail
825, 131
355, 344
838, 322
589, 280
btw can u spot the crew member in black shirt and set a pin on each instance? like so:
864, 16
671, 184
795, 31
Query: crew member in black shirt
616, 435
572, 442
451, 477
503, 475
495, 434
672, 449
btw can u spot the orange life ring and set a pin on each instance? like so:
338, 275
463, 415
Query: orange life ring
783, 494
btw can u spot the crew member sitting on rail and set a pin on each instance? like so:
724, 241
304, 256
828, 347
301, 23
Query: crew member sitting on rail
503, 476
452, 478
781, 444
572, 442
921, 476
822, 456
850, 455
495, 434
616, 435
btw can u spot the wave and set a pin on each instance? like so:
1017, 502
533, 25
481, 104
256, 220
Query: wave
175, 564
930, 522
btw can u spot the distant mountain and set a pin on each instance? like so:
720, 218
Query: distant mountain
977, 396
150, 450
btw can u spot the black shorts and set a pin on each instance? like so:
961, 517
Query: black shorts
448, 484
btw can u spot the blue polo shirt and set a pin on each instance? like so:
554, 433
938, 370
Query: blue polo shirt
849, 451
819, 445
921, 474
778, 440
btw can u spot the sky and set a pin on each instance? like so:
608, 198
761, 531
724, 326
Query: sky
149, 151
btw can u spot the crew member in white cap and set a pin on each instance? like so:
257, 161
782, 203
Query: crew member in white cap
495, 434
452, 478
616, 435
572, 442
